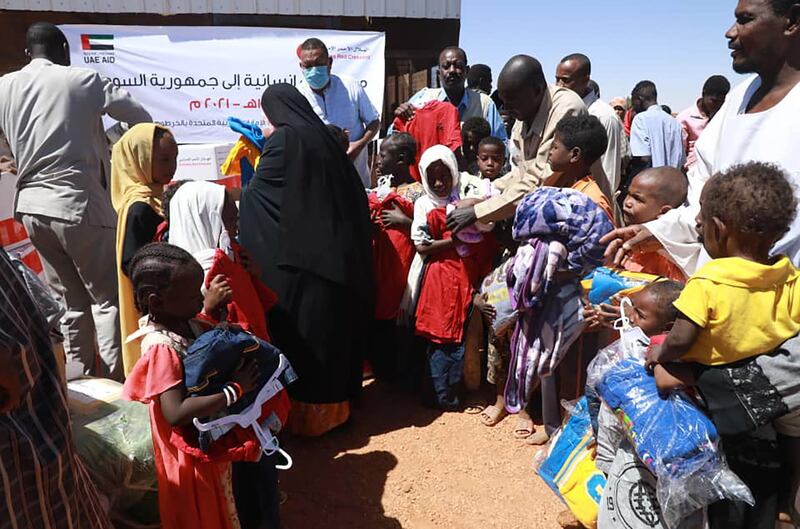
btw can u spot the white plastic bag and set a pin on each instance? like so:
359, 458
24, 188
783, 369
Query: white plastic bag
630, 500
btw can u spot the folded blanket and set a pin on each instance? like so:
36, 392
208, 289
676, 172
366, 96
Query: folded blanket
561, 229
568, 216
569, 468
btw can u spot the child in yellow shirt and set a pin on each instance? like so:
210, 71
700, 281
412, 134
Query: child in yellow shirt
744, 302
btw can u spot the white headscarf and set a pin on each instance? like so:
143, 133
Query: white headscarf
440, 153
195, 221
422, 207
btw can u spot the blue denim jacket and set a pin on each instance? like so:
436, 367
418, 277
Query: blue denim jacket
216, 355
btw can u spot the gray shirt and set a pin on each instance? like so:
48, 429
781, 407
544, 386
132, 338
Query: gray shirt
51, 115
656, 134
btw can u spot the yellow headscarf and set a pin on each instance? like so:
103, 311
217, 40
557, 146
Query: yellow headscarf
131, 182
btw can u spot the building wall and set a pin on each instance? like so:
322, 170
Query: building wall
433, 9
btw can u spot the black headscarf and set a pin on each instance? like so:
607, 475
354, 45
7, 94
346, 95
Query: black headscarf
324, 218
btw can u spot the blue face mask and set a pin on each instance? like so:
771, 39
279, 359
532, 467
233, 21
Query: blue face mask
317, 76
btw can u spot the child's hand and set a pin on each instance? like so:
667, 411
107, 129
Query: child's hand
8, 165
247, 375
218, 295
673, 376
607, 314
249, 264
394, 218
590, 317
486, 309
652, 357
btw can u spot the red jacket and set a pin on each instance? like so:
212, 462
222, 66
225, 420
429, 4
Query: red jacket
251, 298
448, 283
393, 252
436, 123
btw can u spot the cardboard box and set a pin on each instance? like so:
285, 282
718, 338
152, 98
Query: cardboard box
87, 394
201, 162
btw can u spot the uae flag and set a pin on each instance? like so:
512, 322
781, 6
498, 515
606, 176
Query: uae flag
97, 42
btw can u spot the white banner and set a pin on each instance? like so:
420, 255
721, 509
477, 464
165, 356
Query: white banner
192, 78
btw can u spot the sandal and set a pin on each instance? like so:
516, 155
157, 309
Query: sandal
523, 429
492, 415
473, 408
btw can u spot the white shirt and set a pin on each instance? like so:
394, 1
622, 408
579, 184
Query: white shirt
612, 159
345, 104
656, 134
51, 115
735, 137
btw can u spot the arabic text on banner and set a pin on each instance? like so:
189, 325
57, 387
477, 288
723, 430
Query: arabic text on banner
192, 78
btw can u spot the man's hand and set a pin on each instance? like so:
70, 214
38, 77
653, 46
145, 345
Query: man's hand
623, 242
355, 149
405, 111
461, 218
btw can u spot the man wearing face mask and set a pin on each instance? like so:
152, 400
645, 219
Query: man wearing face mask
470, 103
339, 101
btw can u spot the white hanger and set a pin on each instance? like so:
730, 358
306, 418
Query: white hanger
250, 417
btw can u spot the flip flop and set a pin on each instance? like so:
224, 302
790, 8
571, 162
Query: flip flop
523, 429
492, 415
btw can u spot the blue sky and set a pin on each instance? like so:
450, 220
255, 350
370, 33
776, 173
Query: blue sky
677, 44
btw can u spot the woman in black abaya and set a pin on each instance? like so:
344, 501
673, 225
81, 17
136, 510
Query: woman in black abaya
305, 220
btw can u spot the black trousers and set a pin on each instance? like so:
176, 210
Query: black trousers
255, 488
756, 460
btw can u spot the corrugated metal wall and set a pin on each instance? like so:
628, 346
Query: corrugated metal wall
432, 9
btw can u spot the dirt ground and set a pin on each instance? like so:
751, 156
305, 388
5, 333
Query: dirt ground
399, 465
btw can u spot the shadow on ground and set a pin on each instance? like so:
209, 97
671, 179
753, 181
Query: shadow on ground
332, 487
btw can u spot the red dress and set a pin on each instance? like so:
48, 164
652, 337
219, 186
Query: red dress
393, 252
447, 286
436, 123
191, 494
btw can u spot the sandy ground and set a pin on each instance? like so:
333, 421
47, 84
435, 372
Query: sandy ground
399, 465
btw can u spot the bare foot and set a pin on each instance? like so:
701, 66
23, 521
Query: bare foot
539, 438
